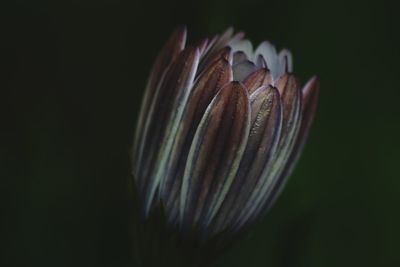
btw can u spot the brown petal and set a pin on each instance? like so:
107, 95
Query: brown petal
288, 87
210, 45
222, 40
266, 119
217, 43
205, 89
202, 45
310, 99
168, 54
164, 114
257, 79
215, 155
225, 53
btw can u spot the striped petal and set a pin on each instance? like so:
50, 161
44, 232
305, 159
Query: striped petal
218, 43
257, 79
172, 167
214, 156
162, 126
202, 46
220, 130
223, 40
266, 121
225, 53
310, 94
168, 54
291, 101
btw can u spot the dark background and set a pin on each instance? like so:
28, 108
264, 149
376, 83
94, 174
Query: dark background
71, 81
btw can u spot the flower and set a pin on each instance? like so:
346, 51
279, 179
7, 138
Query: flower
220, 129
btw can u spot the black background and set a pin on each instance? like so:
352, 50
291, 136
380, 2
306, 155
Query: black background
71, 81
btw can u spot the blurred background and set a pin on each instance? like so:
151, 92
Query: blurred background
72, 78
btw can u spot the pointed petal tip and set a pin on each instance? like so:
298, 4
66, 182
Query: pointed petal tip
287, 81
265, 90
313, 82
179, 35
310, 96
181, 29
257, 79
311, 89
238, 87
226, 53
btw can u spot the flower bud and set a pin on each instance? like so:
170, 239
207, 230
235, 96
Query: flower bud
220, 128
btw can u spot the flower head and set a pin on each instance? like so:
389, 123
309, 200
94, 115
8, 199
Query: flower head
219, 131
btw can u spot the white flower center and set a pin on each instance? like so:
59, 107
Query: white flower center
265, 53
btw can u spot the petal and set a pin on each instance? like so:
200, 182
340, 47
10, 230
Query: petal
202, 46
210, 44
268, 51
214, 156
242, 45
168, 54
257, 79
214, 49
266, 121
224, 38
220, 42
164, 120
260, 62
225, 53
242, 70
310, 100
285, 61
238, 57
237, 37
291, 101
172, 166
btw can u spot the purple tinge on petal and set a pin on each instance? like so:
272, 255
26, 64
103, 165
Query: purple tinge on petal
223, 40
239, 57
217, 43
168, 54
242, 70
310, 94
291, 102
265, 126
204, 90
217, 158
167, 107
257, 79
205, 63
202, 46
214, 156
